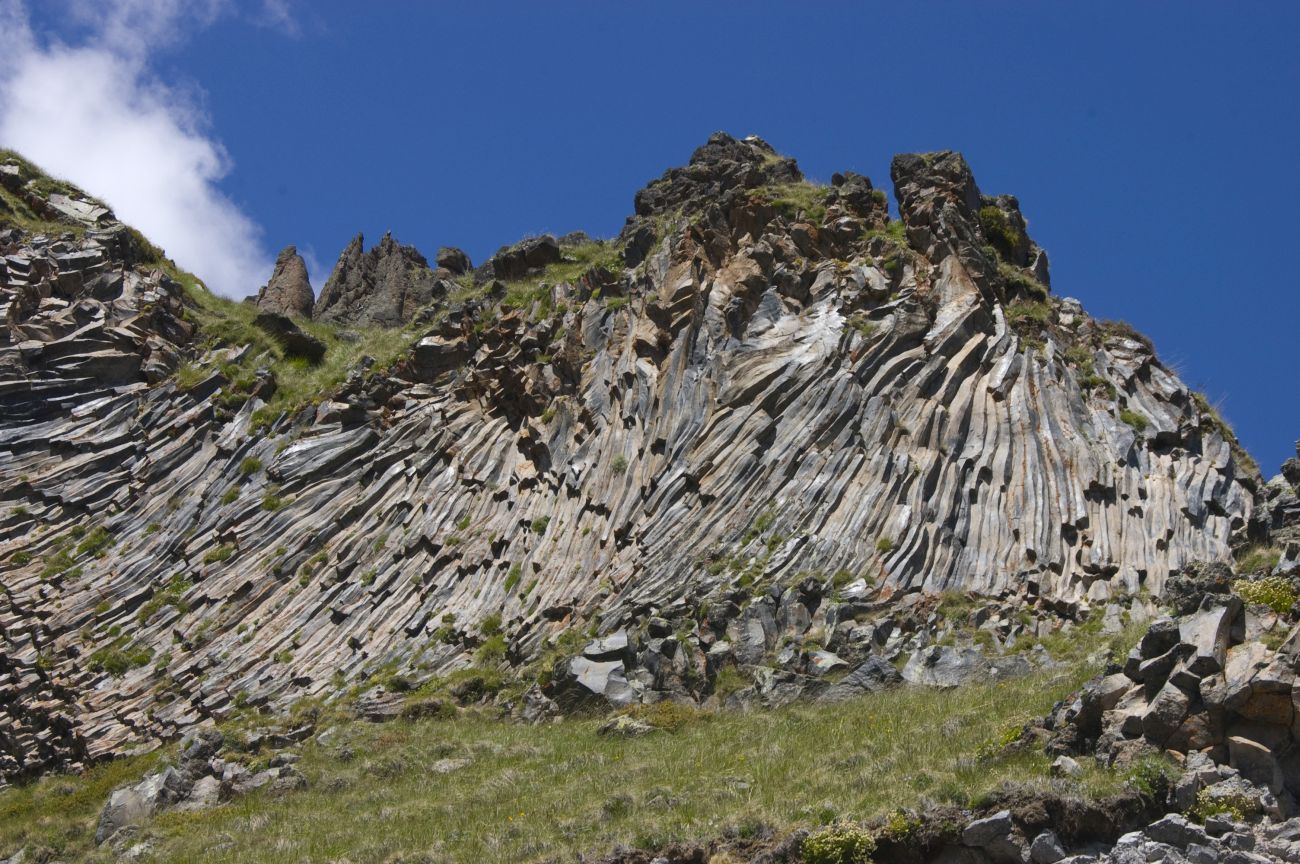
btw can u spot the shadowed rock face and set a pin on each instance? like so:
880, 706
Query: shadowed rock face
289, 291
384, 286
774, 393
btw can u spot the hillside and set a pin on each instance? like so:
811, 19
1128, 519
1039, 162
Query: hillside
768, 445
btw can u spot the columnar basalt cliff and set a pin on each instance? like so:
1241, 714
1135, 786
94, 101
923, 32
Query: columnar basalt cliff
763, 391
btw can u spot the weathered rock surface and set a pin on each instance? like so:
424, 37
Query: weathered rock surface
385, 285
777, 394
289, 291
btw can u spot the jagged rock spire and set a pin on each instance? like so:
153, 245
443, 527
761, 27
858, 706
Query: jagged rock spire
289, 291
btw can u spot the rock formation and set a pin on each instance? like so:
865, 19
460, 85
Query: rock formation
289, 291
764, 394
384, 286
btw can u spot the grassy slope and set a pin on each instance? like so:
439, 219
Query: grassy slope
533, 792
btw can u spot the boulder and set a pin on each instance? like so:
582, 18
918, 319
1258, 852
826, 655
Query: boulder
1046, 849
580, 682
453, 260
1255, 762
295, 341
132, 805
525, 258
1207, 632
875, 673
945, 666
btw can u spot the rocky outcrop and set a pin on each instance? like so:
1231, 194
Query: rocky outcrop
385, 286
783, 411
289, 291
1205, 683
201, 778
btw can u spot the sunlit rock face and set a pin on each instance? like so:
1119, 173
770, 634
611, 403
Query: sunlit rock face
759, 382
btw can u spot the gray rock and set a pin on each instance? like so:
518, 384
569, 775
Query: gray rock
1046, 849
990, 829
385, 286
1175, 830
1064, 766
874, 673
133, 805
454, 260
945, 666
295, 341
289, 290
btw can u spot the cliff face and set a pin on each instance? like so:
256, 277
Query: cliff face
761, 383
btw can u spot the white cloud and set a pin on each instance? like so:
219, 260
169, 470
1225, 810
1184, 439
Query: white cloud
95, 114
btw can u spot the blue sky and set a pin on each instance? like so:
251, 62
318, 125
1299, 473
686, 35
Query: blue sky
1152, 146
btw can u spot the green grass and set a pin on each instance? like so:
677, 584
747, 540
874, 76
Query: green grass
795, 199
1029, 312
1258, 558
1134, 419
585, 793
556, 790
997, 228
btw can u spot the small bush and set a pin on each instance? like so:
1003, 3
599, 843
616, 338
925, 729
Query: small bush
1275, 592
1235, 807
222, 553
491, 625
271, 501
539, 524
1148, 776
1029, 312
230, 496
884, 545
1134, 419
997, 228
250, 466
492, 651
619, 465
95, 542
839, 844
513, 577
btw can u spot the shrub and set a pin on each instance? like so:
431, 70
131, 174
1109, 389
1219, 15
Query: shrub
863, 325
492, 651
884, 545
271, 500
619, 465
118, 659
513, 577
539, 524
1235, 807
839, 844
491, 625
95, 542
230, 495
1134, 419
1275, 592
1148, 776
997, 228
1029, 312
250, 465
221, 553
60, 564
